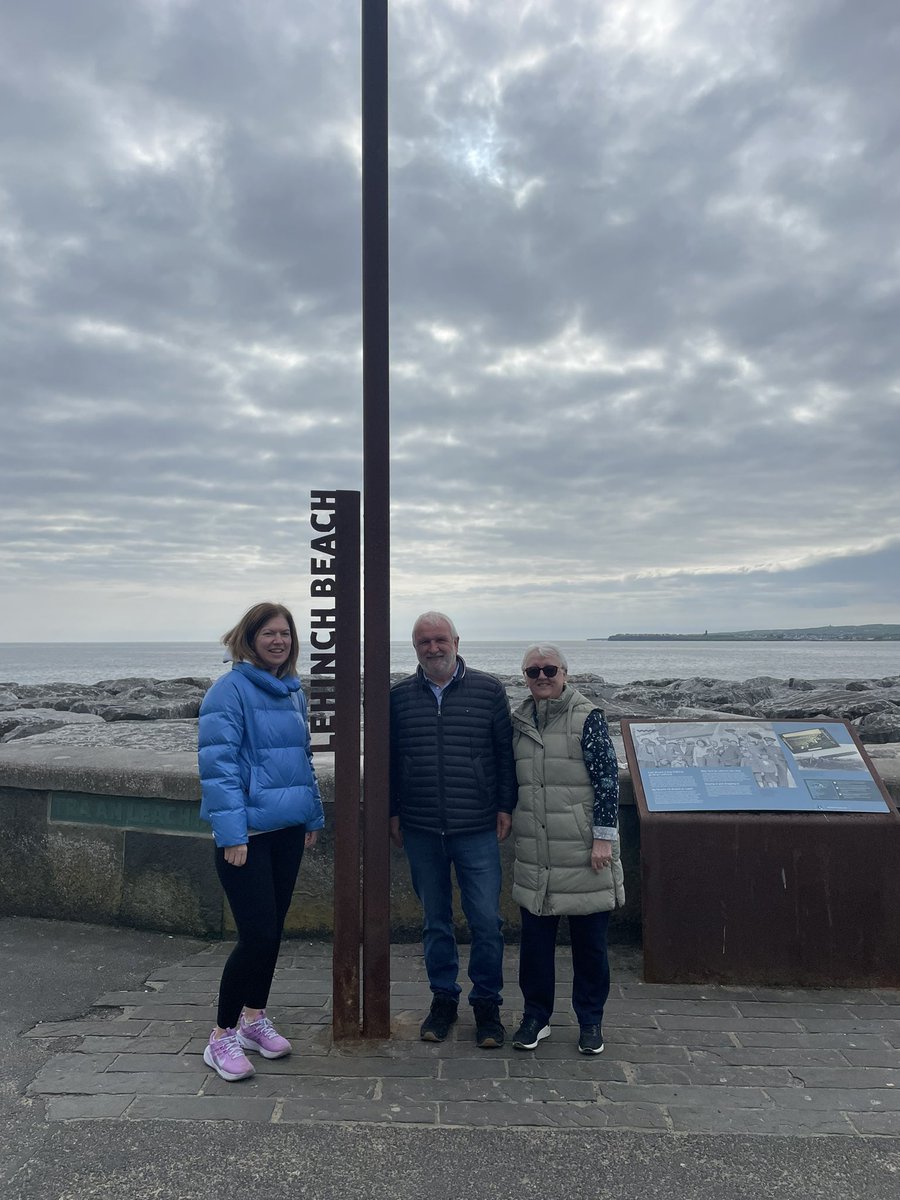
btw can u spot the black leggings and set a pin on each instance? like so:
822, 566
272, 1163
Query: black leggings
259, 894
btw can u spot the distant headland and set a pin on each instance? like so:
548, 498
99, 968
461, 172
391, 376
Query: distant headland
819, 633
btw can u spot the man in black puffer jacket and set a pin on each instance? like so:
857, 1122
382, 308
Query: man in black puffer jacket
453, 787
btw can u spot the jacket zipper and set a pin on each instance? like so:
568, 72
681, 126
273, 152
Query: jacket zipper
442, 798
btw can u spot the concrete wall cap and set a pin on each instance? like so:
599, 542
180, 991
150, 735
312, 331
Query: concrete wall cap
114, 771
100, 770
172, 775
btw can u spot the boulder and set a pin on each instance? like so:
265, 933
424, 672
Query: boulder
115, 687
30, 729
880, 727
161, 736
26, 722
167, 686
133, 699
687, 713
150, 710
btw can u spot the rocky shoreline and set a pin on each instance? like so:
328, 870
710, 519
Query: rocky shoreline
42, 710
161, 713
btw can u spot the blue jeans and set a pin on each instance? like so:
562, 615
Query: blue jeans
537, 966
476, 860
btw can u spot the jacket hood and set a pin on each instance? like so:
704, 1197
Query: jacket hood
268, 683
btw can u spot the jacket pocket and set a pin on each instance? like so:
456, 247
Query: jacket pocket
480, 775
585, 828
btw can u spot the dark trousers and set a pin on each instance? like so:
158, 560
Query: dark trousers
537, 966
259, 894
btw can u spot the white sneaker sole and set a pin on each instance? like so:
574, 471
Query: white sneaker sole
542, 1033
599, 1050
228, 1075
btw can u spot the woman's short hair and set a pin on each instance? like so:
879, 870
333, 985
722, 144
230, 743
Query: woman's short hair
545, 648
239, 641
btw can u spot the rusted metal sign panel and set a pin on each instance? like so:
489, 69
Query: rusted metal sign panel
779, 898
335, 722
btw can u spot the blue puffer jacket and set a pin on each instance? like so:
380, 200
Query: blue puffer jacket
256, 771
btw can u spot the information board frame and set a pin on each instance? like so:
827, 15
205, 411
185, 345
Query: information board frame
769, 898
740, 764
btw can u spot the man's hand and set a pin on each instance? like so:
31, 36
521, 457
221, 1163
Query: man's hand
504, 825
601, 854
311, 838
396, 833
236, 856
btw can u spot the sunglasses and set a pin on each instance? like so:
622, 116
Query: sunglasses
534, 672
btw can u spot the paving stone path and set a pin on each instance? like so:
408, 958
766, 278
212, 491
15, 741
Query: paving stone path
677, 1059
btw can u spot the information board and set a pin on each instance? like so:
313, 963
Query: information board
744, 765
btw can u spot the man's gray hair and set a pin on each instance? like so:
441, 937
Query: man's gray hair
545, 648
433, 618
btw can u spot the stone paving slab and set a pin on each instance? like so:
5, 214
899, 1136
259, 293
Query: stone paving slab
876, 1124
83, 1108
346, 1089
173, 1044
754, 1120
361, 1112
679, 1058
770, 1056
55, 1029
200, 1108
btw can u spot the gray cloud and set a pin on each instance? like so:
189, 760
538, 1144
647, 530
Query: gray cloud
644, 309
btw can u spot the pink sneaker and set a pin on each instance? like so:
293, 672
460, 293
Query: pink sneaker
262, 1035
225, 1056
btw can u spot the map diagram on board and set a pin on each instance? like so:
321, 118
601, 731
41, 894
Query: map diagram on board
732, 765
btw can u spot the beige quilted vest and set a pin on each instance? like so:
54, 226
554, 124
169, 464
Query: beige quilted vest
552, 821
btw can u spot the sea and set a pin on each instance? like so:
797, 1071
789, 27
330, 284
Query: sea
616, 662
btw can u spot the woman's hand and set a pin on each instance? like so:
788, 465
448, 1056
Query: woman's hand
311, 838
236, 856
601, 854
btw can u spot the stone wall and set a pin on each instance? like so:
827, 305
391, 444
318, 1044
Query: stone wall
113, 835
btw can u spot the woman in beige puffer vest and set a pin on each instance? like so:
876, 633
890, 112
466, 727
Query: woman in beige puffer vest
566, 846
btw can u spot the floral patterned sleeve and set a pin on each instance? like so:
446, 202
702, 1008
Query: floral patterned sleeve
600, 760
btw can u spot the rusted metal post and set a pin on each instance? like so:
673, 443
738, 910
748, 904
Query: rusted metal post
376, 510
345, 963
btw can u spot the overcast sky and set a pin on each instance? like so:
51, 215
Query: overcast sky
645, 311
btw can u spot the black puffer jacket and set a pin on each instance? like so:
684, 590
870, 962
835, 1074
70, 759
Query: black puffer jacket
452, 769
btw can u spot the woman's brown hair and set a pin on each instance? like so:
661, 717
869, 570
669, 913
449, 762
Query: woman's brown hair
239, 641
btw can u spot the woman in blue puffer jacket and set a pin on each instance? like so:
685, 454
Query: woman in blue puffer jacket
261, 797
